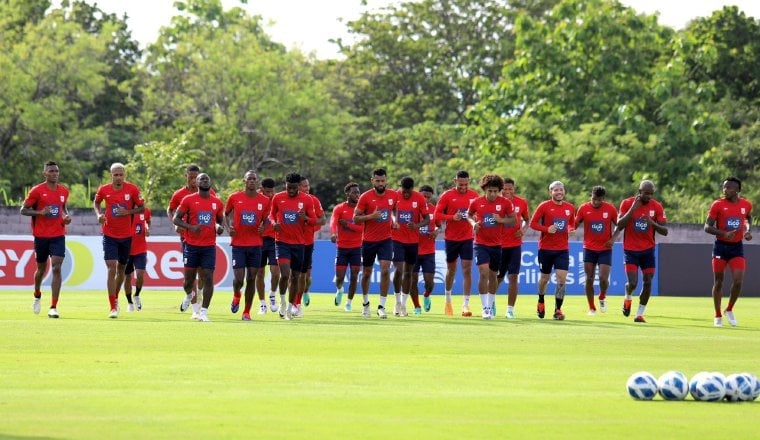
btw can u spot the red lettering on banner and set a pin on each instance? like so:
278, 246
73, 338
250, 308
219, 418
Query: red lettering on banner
17, 263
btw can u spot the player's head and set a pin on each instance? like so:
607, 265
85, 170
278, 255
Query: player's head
462, 181
379, 180
646, 190
491, 184
267, 187
427, 192
204, 182
352, 192
251, 180
732, 186
508, 190
598, 193
51, 171
557, 191
118, 173
407, 186
292, 183
304, 186
191, 174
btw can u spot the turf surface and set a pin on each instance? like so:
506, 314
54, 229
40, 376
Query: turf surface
332, 374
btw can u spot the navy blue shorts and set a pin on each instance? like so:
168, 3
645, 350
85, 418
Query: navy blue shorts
139, 262
292, 253
117, 249
268, 253
348, 257
727, 251
510, 261
426, 263
49, 247
458, 249
597, 257
490, 255
559, 260
405, 252
200, 256
246, 256
308, 256
382, 250
642, 259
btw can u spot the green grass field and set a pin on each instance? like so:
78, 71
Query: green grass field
157, 374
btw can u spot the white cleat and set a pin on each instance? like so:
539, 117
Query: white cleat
592, 312
195, 316
397, 309
263, 309
130, 307
402, 311
273, 305
510, 314
603, 305
36, 306
718, 322
298, 311
731, 318
185, 303
114, 314
53, 313
381, 312
365, 311
138, 303
487, 313
203, 317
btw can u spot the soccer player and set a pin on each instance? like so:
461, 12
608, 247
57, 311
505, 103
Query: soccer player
269, 256
46, 205
451, 209
511, 246
245, 215
640, 217
292, 211
191, 187
411, 214
122, 201
488, 214
347, 237
138, 258
425, 256
308, 252
599, 218
555, 219
729, 220
205, 218
375, 210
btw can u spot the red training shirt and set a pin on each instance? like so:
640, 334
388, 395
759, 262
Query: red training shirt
369, 202
247, 215
128, 197
490, 233
597, 225
50, 225
638, 235
730, 216
451, 202
205, 212
562, 216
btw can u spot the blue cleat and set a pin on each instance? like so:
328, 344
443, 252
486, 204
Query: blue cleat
428, 303
305, 299
338, 298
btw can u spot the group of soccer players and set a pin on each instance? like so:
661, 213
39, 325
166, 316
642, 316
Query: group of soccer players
383, 225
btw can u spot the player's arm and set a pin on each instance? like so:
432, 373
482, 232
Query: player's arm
747, 228
28, 208
219, 222
537, 221
96, 207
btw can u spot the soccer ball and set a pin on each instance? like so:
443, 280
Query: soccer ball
673, 385
642, 386
707, 387
756, 388
740, 387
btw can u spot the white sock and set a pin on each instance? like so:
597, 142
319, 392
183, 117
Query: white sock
491, 299
382, 301
348, 301
448, 296
365, 298
627, 296
196, 307
642, 308
204, 311
484, 300
273, 297
340, 289
511, 309
263, 302
282, 300
398, 297
466, 301
404, 298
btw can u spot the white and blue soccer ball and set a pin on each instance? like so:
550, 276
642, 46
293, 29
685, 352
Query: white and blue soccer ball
707, 387
673, 385
642, 385
740, 387
756, 388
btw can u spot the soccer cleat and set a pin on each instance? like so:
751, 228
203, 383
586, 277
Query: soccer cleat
718, 322
263, 309
298, 311
541, 310
185, 303
402, 311
138, 303
365, 311
591, 312
347, 307
428, 303
558, 315
235, 304
510, 314
731, 318
288, 314
305, 300
246, 316
603, 305
639, 319
273, 304
493, 311
417, 311
397, 309
130, 307
448, 310
194, 316
338, 298
36, 306
53, 313
381, 312
114, 314
203, 317
466, 311
627, 307
282, 313
487, 313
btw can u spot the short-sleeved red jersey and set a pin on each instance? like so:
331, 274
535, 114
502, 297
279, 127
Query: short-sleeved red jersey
562, 216
50, 225
490, 232
310, 230
638, 235
139, 239
731, 216
597, 224
522, 212
247, 214
350, 235
205, 212
411, 210
427, 241
128, 197
284, 212
369, 202
451, 202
